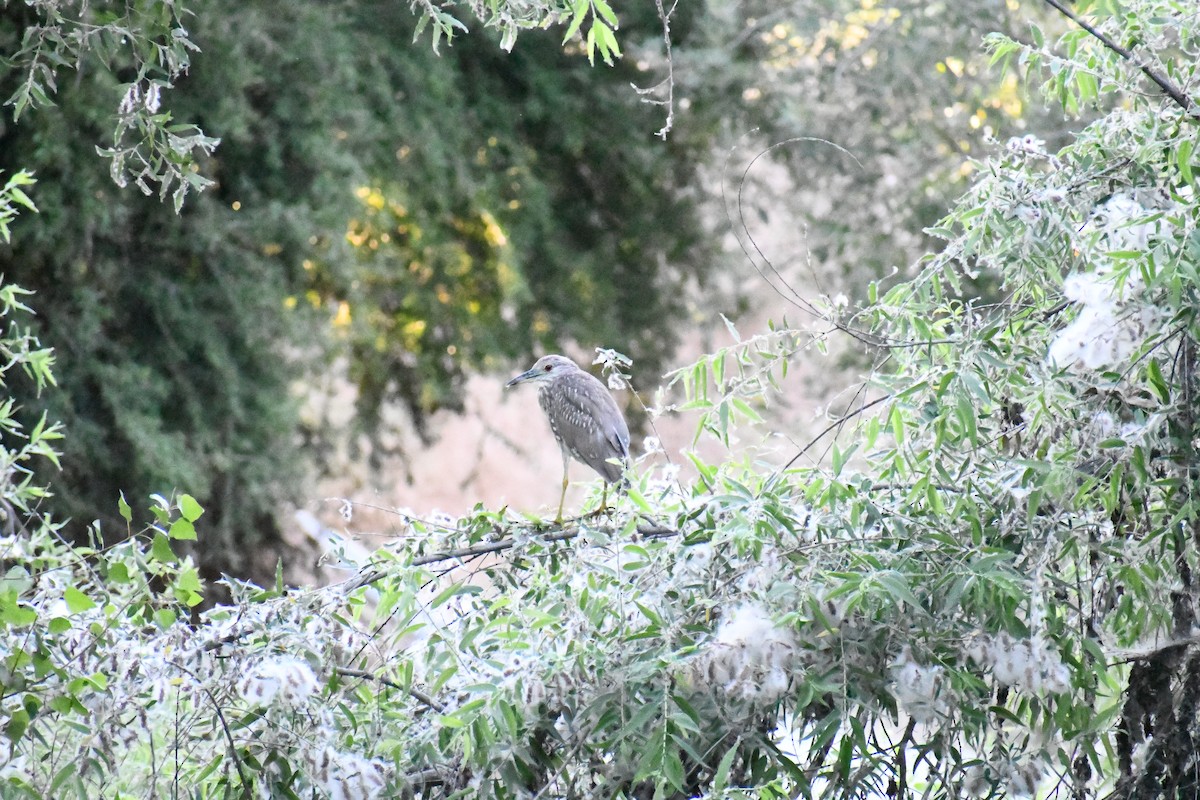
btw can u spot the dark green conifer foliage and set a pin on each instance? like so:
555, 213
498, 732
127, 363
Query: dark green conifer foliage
180, 337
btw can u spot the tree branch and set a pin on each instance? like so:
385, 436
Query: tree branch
835, 424
414, 692
650, 529
902, 761
1172, 91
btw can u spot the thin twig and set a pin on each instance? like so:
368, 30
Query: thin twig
224, 727
427, 777
835, 424
416, 693
669, 81
1172, 91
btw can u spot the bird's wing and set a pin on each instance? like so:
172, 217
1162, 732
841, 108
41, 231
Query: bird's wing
586, 417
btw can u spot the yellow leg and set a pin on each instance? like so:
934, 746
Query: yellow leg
562, 499
604, 499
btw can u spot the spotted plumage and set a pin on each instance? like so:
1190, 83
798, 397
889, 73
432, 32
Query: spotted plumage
584, 417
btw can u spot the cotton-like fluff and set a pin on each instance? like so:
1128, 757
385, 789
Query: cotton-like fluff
348, 776
1122, 222
692, 567
1114, 318
919, 690
286, 680
1021, 778
749, 658
1028, 665
1110, 326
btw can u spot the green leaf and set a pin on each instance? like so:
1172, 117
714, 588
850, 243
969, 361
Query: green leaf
124, 509
21, 198
897, 587
607, 41
190, 509
18, 721
745, 410
606, 12
77, 601
721, 779
182, 529
591, 42
1157, 383
975, 386
453, 590
1183, 159
117, 572
161, 550
187, 587
580, 8
639, 500
13, 613
673, 768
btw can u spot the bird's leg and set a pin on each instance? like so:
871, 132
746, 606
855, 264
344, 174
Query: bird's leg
604, 498
563, 497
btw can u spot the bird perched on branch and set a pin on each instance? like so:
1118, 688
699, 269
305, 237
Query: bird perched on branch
584, 418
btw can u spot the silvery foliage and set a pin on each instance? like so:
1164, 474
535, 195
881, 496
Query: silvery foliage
145, 41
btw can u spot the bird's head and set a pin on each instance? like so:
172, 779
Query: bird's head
546, 369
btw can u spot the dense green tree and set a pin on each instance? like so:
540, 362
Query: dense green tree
527, 201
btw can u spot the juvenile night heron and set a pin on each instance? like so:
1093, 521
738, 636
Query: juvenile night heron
584, 418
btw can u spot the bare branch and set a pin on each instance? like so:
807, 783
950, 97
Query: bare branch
669, 81
650, 529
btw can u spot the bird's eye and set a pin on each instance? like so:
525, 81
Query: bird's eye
547, 368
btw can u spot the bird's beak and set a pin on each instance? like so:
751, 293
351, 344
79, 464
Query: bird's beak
524, 376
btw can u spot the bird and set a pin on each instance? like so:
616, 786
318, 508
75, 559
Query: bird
584, 418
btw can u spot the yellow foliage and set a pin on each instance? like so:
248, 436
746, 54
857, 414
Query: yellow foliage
412, 333
357, 234
493, 234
